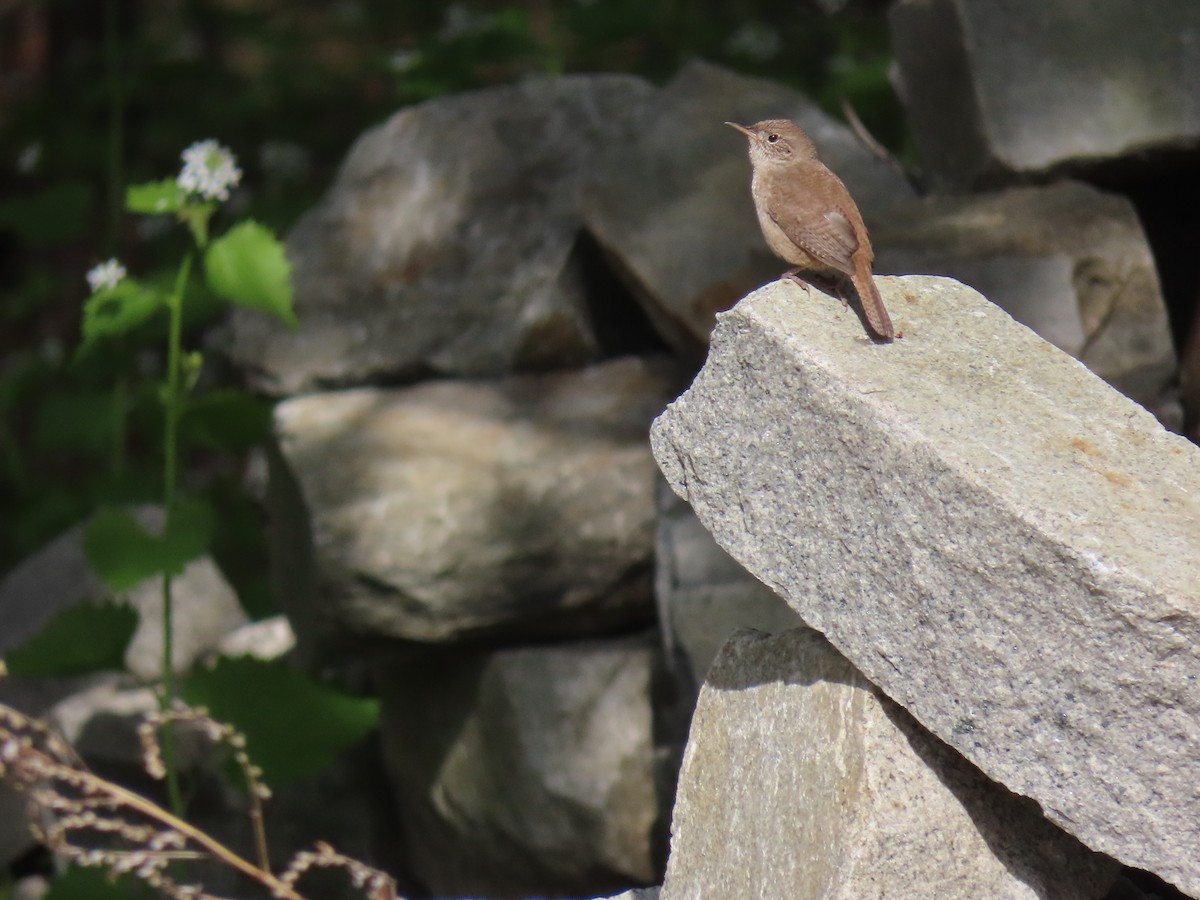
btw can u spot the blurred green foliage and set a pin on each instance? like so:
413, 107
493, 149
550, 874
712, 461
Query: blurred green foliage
79, 640
99, 95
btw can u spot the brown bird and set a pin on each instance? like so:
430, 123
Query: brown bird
808, 217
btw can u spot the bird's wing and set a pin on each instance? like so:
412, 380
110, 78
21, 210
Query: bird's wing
824, 234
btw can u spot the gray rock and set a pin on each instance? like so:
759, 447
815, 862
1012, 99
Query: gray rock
453, 510
1069, 261
447, 244
702, 593
672, 207
800, 780
58, 577
1003, 543
994, 90
527, 771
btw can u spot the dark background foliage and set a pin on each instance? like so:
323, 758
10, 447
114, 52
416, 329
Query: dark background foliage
98, 95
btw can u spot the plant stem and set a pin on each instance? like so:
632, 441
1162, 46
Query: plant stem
173, 403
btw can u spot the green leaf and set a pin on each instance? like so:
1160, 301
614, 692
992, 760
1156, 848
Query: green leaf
119, 550
78, 640
123, 554
294, 726
248, 267
55, 215
118, 310
155, 197
226, 420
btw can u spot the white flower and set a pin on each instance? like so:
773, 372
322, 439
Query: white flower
209, 170
106, 275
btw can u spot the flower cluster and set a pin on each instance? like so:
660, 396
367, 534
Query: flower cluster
106, 275
209, 170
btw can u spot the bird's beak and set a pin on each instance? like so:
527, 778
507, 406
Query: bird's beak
744, 130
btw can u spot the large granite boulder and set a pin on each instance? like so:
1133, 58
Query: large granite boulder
1003, 543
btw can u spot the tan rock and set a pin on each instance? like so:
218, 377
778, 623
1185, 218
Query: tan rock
801, 781
455, 510
530, 771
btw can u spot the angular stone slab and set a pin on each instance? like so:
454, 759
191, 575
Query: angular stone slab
801, 781
1002, 542
994, 90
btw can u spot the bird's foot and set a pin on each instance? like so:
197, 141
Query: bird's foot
840, 293
795, 275
809, 279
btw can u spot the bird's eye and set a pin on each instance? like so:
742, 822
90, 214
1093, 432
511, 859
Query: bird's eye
772, 138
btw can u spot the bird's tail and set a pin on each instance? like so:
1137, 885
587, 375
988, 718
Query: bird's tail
872, 303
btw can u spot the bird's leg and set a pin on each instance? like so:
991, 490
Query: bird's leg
839, 290
794, 273
826, 284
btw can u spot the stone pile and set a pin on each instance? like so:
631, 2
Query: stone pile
976, 558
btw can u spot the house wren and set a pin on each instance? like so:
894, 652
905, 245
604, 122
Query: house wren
808, 216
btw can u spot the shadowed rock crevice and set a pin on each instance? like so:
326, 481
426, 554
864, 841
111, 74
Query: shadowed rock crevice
619, 322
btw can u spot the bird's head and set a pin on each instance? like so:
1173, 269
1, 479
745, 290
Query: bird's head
777, 142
